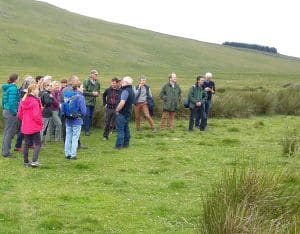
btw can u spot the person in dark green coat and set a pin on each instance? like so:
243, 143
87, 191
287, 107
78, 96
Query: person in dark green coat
197, 97
10, 103
91, 90
171, 96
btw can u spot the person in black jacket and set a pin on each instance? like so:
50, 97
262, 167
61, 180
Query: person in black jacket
47, 100
111, 98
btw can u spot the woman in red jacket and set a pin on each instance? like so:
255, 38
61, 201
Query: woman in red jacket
30, 113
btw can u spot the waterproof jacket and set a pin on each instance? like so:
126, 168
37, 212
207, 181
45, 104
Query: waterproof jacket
46, 100
170, 96
88, 89
197, 94
111, 97
30, 114
11, 98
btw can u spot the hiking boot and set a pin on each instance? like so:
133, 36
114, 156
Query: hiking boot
18, 149
68, 157
153, 130
104, 138
82, 147
28, 164
73, 158
87, 133
35, 164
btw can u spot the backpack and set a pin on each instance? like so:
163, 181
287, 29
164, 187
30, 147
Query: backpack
70, 106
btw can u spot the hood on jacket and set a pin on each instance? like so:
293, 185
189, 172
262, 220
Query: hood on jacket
5, 87
29, 102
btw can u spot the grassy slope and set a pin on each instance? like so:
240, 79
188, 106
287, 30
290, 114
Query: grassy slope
154, 186
39, 38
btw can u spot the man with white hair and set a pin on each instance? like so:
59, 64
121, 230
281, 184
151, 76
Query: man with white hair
209, 87
123, 113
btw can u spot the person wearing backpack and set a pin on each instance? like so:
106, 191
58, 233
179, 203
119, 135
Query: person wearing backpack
197, 97
74, 110
143, 97
10, 103
171, 96
30, 113
111, 98
91, 90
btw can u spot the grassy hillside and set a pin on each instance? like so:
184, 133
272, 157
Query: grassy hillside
39, 38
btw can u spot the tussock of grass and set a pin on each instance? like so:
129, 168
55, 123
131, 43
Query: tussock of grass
290, 142
251, 201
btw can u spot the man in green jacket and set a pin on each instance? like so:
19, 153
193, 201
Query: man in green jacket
171, 96
91, 90
197, 97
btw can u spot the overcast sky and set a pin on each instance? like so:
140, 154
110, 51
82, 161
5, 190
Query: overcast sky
265, 22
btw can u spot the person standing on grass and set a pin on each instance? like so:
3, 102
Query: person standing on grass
10, 103
28, 80
209, 87
30, 113
197, 97
55, 124
91, 90
74, 100
111, 98
142, 96
123, 113
46, 100
171, 96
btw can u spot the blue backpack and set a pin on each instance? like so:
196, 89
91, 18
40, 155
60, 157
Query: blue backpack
70, 106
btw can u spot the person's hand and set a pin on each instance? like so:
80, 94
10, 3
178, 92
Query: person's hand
207, 89
95, 93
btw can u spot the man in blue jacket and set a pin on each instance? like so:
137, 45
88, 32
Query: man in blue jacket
73, 124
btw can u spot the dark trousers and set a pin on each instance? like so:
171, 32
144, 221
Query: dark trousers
88, 118
110, 117
20, 137
10, 125
197, 114
36, 139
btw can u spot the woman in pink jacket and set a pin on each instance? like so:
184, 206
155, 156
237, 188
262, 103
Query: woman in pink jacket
30, 113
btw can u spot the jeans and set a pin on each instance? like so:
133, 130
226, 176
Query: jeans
71, 143
123, 132
36, 139
197, 113
109, 121
10, 125
88, 119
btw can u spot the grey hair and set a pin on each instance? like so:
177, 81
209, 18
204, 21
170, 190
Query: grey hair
128, 80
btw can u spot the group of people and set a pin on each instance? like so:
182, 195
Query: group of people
43, 109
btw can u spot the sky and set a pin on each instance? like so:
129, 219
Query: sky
264, 22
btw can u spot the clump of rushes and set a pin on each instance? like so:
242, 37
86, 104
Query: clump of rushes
290, 142
251, 201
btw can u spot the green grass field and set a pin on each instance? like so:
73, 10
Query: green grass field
159, 184
155, 186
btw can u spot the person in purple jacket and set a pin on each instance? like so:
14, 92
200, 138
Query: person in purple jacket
73, 124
